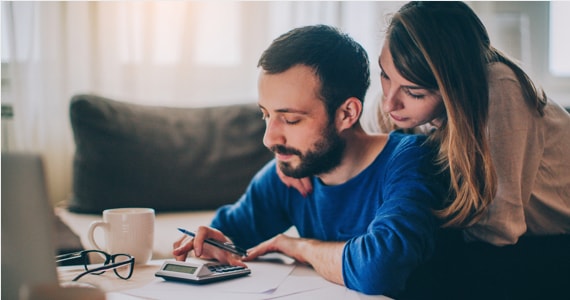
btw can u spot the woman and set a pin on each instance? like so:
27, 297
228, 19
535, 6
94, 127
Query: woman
505, 144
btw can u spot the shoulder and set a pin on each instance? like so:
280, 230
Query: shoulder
407, 150
407, 138
508, 108
398, 142
502, 81
500, 71
506, 93
504, 86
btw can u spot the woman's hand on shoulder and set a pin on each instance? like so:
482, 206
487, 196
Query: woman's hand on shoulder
303, 185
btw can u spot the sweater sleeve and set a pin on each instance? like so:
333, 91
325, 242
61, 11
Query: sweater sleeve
402, 234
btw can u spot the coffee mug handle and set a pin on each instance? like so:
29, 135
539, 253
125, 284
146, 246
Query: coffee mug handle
91, 234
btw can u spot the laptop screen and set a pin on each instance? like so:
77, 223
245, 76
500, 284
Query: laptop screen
27, 225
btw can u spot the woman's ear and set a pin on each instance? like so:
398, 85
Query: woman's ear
348, 113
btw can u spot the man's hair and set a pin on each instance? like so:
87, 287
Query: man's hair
340, 63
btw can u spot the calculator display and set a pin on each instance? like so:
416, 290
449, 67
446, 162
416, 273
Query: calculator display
180, 269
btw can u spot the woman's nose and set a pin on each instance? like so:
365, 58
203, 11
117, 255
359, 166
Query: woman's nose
390, 101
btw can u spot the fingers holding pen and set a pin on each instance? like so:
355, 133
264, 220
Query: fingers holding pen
202, 234
182, 247
215, 242
208, 243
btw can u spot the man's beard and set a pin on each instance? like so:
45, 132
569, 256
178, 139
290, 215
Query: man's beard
324, 156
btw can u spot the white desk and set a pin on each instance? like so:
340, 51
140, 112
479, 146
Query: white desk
143, 277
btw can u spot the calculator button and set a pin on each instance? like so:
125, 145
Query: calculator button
224, 268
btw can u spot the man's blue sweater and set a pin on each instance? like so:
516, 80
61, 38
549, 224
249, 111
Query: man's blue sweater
384, 214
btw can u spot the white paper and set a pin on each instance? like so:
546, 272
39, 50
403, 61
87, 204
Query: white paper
274, 278
265, 277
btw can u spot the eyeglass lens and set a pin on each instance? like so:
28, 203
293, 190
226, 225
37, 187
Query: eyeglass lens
125, 270
94, 258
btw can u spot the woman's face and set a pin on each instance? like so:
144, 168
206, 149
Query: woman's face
408, 104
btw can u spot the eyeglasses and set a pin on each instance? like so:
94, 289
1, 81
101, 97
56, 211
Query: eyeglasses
122, 264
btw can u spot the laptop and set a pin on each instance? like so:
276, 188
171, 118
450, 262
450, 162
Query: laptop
27, 225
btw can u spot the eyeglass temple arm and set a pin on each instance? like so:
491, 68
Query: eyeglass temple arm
68, 256
104, 268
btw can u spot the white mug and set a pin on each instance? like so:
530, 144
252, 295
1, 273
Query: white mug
126, 230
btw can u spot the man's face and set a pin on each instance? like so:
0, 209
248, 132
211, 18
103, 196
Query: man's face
298, 129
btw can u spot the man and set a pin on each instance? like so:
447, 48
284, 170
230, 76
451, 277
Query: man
368, 222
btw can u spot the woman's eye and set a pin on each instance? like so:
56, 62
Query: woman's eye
413, 95
383, 75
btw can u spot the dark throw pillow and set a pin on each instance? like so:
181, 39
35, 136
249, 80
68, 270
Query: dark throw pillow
169, 159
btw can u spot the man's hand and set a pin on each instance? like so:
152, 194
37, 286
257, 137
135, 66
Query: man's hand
280, 243
324, 257
302, 185
186, 244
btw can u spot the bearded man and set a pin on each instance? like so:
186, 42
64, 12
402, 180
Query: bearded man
369, 221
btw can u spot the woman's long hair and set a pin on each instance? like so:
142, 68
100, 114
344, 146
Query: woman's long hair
445, 47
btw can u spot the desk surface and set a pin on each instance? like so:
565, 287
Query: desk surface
143, 277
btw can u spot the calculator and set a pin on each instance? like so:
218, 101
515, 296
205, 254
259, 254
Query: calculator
199, 272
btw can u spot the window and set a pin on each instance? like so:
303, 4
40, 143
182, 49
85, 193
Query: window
559, 62
537, 35
170, 24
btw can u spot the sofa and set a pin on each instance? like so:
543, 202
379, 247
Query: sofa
183, 162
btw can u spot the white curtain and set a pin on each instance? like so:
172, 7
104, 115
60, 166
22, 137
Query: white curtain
168, 53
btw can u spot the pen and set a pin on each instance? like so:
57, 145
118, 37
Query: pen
225, 246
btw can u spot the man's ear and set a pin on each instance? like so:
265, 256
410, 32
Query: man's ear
348, 113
